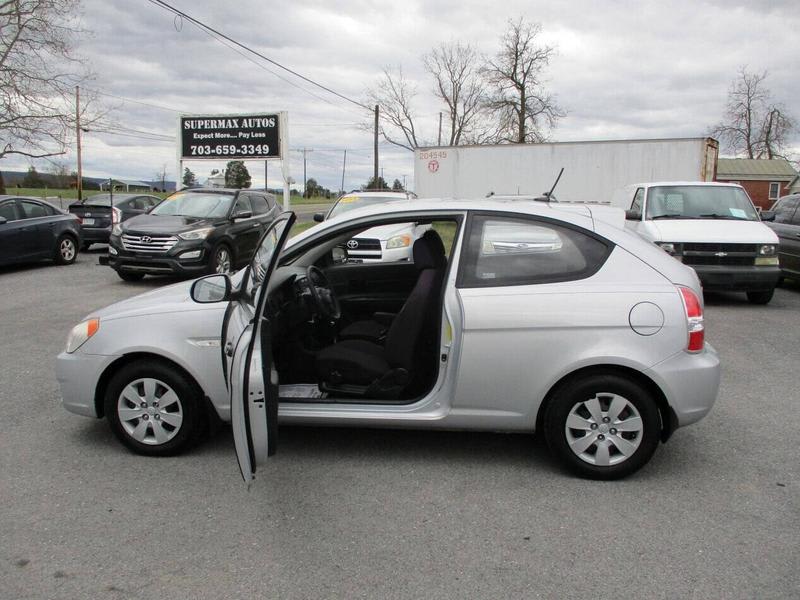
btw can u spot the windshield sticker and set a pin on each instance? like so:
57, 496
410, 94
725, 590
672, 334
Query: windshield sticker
348, 199
738, 213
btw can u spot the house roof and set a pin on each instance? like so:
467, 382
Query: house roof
755, 168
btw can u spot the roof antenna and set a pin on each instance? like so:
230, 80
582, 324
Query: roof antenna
548, 196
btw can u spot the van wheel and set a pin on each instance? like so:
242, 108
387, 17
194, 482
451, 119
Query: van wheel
154, 409
602, 426
760, 297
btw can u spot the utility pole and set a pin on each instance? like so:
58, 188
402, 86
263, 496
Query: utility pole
78, 136
440, 129
266, 165
344, 163
404, 183
375, 172
305, 151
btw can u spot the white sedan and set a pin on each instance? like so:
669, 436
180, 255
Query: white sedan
512, 316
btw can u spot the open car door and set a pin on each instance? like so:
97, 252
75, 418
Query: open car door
247, 333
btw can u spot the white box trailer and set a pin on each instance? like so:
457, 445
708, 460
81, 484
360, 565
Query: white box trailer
592, 170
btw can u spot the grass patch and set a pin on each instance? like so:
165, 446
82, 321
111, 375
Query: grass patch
300, 228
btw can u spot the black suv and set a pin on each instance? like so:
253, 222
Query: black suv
786, 223
192, 232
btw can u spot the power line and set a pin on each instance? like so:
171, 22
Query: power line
202, 25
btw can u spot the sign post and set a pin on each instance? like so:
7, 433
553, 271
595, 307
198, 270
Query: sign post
257, 136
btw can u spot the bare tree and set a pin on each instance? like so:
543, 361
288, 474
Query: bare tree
455, 68
524, 110
38, 74
394, 95
161, 175
752, 124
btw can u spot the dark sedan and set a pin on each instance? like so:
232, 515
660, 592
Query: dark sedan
192, 232
786, 224
100, 212
31, 229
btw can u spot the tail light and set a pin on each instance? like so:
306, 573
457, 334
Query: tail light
116, 215
694, 319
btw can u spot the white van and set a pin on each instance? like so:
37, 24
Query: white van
712, 227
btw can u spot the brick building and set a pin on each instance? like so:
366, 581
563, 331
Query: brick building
765, 180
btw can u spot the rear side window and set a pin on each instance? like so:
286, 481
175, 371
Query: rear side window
259, 204
786, 208
8, 210
522, 251
270, 201
33, 210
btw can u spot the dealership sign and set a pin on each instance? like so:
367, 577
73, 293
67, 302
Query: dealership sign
241, 137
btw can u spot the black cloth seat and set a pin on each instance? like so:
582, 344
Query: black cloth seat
362, 363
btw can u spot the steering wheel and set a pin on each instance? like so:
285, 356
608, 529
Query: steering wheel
326, 302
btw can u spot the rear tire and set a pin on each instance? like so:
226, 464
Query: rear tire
127, 276
602, 426
154, 409
760, 297
66, 250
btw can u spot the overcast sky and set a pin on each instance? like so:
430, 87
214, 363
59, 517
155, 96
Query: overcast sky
623, 70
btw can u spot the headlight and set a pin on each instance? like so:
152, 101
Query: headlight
80, 333
670, 248
116, 229
766, 250
196, 234
399, 241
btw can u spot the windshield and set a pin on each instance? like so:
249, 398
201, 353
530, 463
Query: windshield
347, 203
699, 202
208, 205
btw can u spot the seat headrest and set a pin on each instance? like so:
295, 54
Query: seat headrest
429, 251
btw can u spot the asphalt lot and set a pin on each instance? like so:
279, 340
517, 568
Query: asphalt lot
393, 514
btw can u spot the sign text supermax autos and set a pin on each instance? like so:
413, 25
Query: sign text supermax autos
231, 136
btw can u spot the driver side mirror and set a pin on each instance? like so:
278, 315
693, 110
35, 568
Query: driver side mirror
633, 215
319, 217
3, 220
767, 215
211, 288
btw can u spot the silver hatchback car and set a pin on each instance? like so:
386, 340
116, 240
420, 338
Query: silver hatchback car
512, 316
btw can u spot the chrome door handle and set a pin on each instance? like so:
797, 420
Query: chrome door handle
228, 349
256, 224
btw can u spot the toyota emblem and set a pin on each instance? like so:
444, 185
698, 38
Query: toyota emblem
146, 239
352, 244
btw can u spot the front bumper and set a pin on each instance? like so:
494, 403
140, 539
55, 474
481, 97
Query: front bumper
739, 278
690, 382
78, 375
169, 263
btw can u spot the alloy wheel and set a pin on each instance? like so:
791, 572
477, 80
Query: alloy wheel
223, 260
67, 249
605, 430
150, 411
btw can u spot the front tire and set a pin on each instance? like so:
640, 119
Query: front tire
222, 259
602, 426
66, 250
760, 297
154, 409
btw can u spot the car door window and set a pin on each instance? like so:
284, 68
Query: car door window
242, 205
8, 210
32, 210
259, 204
520, 251
786, 209
270, 201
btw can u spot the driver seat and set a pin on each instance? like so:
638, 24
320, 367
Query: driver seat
357, 367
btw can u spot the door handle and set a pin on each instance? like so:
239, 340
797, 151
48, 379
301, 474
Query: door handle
256, 224
228, 349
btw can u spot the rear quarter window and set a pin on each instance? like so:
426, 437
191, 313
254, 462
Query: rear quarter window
504, 251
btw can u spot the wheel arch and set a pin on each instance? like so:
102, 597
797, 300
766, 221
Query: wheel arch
105, 377
669, 420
